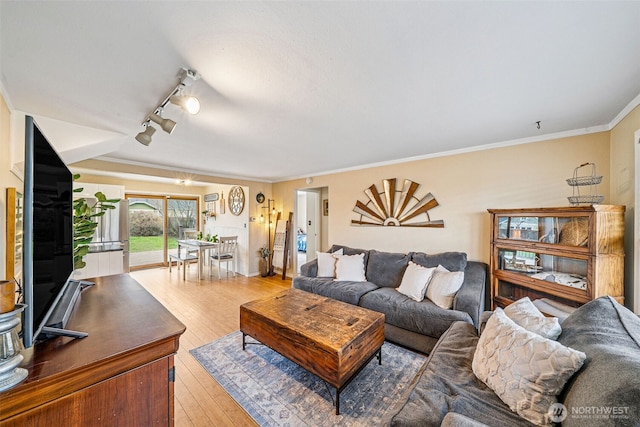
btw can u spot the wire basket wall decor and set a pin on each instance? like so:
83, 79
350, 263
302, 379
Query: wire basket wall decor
582, 181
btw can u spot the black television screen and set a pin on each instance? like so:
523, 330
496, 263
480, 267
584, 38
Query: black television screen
48, 230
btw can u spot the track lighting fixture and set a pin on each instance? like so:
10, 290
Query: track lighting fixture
144, 137
177, 97
190, 104
167, 125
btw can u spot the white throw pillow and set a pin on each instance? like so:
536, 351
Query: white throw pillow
443, 286
350, 267
524, 369
415, 280
327, 263
527, 315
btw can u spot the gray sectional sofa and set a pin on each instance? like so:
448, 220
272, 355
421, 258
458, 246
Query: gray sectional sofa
604, 392
416, 325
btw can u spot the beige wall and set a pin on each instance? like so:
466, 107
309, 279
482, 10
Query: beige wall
624, 192
7, 178
465, 185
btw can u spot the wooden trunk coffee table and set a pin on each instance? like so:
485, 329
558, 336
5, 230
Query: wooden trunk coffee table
329, 338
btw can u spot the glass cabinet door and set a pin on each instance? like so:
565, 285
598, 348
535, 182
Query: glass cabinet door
571, 231
570, 272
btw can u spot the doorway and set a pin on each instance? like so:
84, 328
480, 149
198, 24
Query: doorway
310, 224
155, 225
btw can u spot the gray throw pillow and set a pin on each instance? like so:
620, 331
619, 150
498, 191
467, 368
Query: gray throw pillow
452, 261
385, 269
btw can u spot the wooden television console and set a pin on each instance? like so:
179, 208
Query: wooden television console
121, 374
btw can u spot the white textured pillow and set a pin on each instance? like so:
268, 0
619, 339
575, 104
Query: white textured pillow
350, 267
443, 286
527, 315
415, 280
524, 369
327, 263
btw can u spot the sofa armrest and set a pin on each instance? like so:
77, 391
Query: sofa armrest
470, 298
309, 269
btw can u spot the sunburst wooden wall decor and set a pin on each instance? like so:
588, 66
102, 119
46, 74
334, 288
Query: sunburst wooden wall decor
383, 209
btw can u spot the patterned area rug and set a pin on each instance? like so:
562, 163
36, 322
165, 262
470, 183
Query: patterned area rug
277, 392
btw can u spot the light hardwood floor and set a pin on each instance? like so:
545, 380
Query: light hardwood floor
209, 308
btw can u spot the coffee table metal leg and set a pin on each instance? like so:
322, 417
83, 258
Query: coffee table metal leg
378, 356
244, 343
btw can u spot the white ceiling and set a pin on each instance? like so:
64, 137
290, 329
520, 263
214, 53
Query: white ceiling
293, 89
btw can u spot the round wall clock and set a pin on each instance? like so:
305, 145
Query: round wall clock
236, 200
260, 198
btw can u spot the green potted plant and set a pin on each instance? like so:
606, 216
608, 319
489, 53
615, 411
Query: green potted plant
212, 239
85, 222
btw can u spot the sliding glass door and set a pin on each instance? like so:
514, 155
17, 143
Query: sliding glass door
182, 215
155, 225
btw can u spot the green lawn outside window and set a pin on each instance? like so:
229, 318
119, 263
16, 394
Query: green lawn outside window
150, 243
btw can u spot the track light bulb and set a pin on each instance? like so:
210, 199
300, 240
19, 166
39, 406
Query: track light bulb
144, 137
190, 104
167, 125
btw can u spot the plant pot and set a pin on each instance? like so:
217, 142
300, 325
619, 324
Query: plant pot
264, 267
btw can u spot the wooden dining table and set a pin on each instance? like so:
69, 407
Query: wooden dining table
202, 246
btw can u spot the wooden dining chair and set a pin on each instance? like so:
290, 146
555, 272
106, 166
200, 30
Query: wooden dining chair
190, 234
226, 252
182, 258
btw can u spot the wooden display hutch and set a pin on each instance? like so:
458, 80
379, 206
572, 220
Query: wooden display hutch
570, 255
